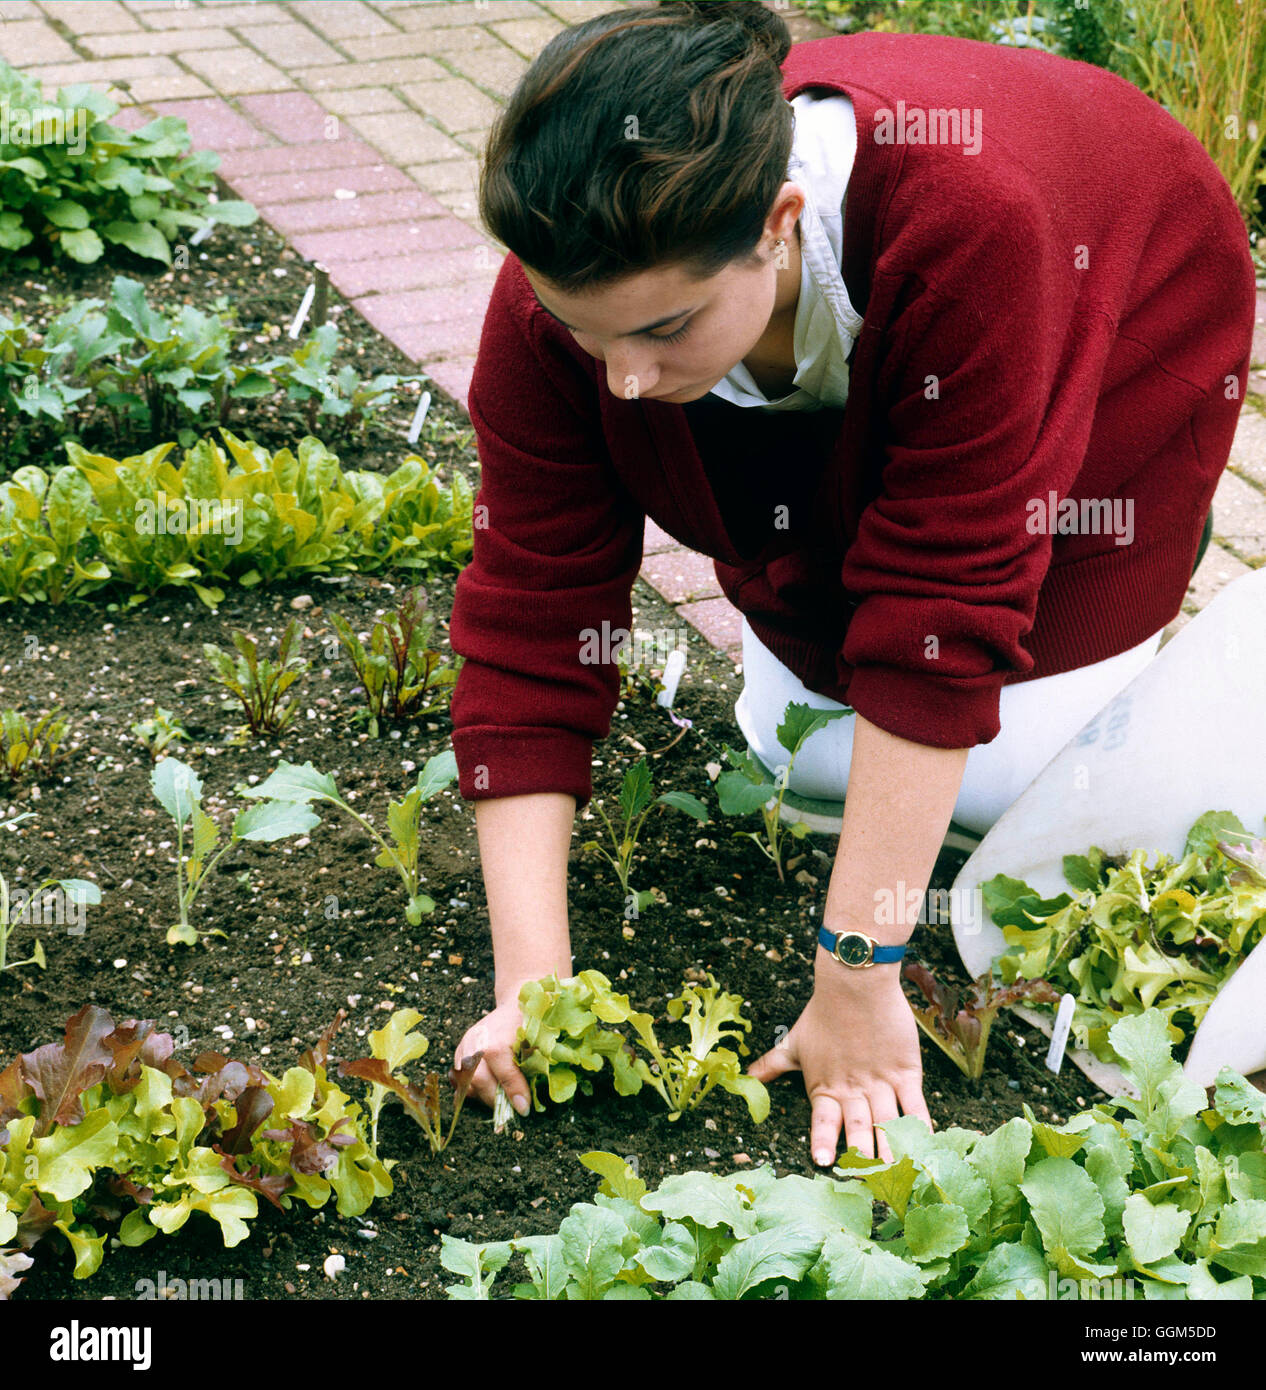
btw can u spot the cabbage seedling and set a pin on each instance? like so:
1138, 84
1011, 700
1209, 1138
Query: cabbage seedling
179, 789
748, 788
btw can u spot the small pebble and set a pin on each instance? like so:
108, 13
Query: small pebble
120, 963
301, 601
334, 1266
1013, 1085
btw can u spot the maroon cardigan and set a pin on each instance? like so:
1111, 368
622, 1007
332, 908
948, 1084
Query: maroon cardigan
1068, 311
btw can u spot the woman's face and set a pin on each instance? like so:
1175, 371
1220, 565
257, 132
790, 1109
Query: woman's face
664, 336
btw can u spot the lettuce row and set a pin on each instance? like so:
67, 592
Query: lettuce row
109, 1124
563, 1035
1166, 936
1157, 1198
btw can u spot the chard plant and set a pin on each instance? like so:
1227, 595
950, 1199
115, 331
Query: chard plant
392, 1047
162, 728
636, 803
179, 791
108, 1124
258, 684
29, 745
1159, 1197
401, 675
80, 891
961, 1027
748, 787
303, 785
1136, 936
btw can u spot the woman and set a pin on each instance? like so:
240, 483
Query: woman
936, 347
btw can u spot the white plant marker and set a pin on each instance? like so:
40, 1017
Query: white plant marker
202, 234
304, 306
419, 415
673, 669
1059, 1034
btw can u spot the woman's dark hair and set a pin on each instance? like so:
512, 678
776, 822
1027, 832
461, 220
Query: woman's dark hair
639, 139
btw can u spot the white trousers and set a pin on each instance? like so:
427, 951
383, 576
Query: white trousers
1037, 719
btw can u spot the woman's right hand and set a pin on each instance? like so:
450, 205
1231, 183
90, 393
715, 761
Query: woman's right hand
494, 1036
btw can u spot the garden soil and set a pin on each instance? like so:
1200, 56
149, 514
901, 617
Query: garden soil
311, 926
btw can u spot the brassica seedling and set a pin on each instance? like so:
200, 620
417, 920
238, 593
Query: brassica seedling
179, 789
79, 890
748, 788
305, 784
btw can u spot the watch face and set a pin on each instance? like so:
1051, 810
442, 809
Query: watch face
852, 948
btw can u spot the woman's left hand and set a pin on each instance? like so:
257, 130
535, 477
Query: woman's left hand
857, 1046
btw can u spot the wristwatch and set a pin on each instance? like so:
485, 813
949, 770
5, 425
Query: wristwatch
856, 949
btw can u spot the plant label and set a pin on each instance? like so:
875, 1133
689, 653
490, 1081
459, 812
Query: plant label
1059, 1034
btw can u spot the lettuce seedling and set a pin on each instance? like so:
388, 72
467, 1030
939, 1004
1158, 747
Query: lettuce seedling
305, 784
683, 1076
79, 890
635, 805
562, 1035
392, 1047
962, 1033
1139, 936
179, 789
155, 733
748, 788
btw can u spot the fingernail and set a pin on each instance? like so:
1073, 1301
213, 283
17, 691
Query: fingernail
520, 1104
823, 1157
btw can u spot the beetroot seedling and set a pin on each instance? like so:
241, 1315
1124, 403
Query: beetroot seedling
636, 804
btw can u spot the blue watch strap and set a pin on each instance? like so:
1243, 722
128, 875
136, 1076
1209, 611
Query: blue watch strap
882, 955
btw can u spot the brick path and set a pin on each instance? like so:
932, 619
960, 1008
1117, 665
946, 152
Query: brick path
356, 126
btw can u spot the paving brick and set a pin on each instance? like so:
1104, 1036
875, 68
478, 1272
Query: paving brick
289, 45
362, 101
1217, 570
26, 42
291, 116
454, 103
156, 41
1259, 331
90, 16
426, 268
1239, 517
577, 11
165, 16
280, 159
102, 71
717, 619
452, 376
214, 124
528, 36
386, 73
446, 176
497, 70
434, 341
235, 71
681, 575
180, 84
320, 183
333, 214
432, 234
1248, 451
438, 305
344, 19
18, 9
470, 12
406, 138
656, 539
